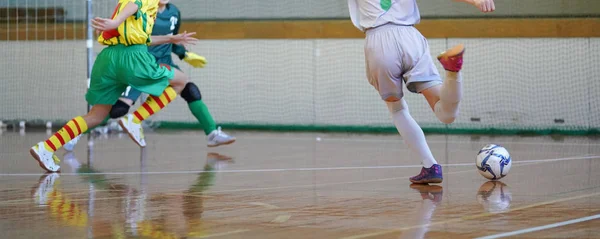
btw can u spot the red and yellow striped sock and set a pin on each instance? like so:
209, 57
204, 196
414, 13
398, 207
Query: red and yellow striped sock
154, 104
68, 132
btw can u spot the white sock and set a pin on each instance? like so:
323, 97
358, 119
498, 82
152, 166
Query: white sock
411, 132
446, 109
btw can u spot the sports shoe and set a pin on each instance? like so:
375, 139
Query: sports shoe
135, 130
218, 137
44, 187
429, 175
431, 192
452, 59
71, 144
45, 158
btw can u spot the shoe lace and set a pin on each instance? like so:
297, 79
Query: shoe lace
423, 172
219, 132
56, 159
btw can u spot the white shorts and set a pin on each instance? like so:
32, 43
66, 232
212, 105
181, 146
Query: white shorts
395, 54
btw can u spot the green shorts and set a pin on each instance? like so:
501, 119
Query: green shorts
119, 66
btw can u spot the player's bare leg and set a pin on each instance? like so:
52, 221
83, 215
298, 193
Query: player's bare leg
444, 99
43, 152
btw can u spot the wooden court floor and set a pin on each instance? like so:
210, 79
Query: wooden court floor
298, 185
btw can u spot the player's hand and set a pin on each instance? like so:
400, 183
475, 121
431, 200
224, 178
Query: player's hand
184, 39
485, 5
195, 60
104, 24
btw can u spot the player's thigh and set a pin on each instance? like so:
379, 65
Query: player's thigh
384, 66
104, 91
422, 73
144, 74
104, 88
432, 95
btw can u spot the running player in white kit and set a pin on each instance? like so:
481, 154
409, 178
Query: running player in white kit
396, 53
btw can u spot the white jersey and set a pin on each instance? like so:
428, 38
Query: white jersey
367, 14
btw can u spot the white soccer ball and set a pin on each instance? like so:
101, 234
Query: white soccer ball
493, 162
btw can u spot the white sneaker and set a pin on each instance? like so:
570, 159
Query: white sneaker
218, 137
44, 188
69, 146
45, 158
135, 131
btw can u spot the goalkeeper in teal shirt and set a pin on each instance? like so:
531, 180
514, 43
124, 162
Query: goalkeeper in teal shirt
167, 22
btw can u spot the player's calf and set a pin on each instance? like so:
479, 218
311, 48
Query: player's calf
445, 99
43, 152
132, 123
215, 137
119, 109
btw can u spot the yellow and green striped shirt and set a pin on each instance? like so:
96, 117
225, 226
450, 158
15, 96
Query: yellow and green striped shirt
136, 29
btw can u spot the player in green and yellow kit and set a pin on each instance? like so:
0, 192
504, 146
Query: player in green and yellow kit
125, 62
167, 22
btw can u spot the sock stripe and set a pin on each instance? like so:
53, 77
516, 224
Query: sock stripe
163, 99
138, 116
147, 107
158, 101
70, 131
169, 90
153, 105
49, 143
77, 126
60, 138
168, 98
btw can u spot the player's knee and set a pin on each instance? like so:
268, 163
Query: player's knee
446, 113
191, 93
395, 106
119, 109
447, 119
392, 99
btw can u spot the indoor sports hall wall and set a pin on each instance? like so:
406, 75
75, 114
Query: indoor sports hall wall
509, 83
309, 75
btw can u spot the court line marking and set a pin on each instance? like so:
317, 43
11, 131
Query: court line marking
325, 138
224, 233
300, 169
280, 218
471, 217
265, 205
540, 228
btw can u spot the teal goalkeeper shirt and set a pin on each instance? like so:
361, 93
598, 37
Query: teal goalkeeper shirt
167, 23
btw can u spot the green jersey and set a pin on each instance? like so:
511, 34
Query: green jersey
167, 23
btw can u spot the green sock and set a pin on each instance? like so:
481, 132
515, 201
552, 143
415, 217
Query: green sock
200, 111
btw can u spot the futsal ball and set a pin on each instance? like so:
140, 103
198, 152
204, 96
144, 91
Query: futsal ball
493, 162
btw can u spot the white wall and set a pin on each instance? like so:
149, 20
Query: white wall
508, 82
